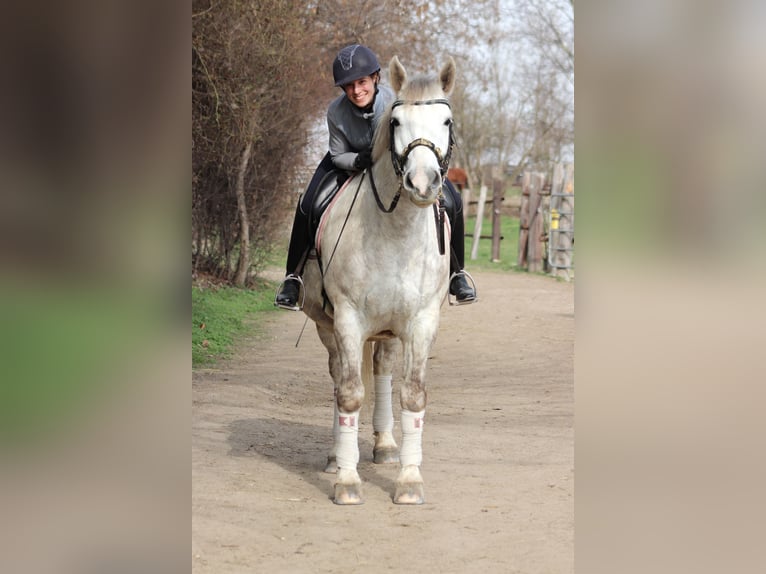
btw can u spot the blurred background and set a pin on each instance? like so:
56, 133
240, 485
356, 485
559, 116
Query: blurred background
670, 146
94, 233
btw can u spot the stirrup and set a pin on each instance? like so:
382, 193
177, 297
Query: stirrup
301, 291
453, 298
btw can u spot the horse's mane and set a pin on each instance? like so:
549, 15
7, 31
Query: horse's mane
420, 87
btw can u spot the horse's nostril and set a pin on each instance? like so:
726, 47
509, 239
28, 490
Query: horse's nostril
437, 180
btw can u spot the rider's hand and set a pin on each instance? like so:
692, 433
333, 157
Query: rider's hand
363, 160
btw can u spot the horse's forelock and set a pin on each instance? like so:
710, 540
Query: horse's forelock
422, 87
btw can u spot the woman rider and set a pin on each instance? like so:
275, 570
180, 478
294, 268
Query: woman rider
351, 120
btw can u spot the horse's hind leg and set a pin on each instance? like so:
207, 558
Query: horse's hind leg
385, 450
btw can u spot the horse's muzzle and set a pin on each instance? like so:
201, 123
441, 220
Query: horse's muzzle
423, 186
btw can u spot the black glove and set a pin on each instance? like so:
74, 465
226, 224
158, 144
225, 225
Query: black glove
363, 160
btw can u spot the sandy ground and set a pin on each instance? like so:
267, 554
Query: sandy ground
498, 460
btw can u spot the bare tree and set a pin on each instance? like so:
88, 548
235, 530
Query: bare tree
261, 80
247, 126
515, 102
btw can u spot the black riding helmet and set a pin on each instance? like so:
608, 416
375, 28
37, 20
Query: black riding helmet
354, 62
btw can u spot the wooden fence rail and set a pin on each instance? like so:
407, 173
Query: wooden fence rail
546, 220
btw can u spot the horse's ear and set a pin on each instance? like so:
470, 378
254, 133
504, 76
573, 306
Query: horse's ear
447, 76
397, 75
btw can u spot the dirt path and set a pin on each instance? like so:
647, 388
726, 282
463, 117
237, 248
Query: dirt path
497, 450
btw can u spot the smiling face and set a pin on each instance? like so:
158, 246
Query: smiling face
361, 92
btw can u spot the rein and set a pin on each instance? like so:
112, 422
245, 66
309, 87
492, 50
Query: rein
322, 271
377, 196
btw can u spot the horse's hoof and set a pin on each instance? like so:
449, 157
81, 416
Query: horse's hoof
385, 455
332, 465
348, 494
409, 493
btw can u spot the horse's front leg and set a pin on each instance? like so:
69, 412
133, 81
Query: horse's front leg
385, 450
409, 483
333, 362
349, 395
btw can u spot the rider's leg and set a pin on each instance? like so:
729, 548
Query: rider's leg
459, 285
300, 241
296, 252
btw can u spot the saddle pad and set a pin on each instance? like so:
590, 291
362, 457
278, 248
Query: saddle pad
323, 219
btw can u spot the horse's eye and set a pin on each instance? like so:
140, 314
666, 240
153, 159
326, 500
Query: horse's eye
394, 122
448, 122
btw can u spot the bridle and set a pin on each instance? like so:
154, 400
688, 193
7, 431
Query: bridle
398, 160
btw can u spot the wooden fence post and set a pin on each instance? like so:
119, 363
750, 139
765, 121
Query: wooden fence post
562, 237
524, 220
498, 191
535, 245
531, 223
479, 219
466, 193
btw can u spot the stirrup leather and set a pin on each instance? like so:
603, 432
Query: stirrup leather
301, 294
452, 298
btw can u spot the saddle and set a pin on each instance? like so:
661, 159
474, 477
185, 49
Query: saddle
317, 228
326, 190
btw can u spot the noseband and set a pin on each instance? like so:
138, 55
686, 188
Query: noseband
398, 161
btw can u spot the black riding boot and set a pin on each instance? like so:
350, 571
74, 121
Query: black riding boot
459, 286
300, 241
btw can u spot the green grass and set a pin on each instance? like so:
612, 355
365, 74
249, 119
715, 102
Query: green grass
64, 348
222, 314
509, 245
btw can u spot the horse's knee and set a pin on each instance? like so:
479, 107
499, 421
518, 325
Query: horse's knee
414, 397
350, 397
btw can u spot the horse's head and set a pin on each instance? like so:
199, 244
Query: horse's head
420, 124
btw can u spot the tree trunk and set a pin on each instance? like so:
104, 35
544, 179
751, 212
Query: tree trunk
244, 222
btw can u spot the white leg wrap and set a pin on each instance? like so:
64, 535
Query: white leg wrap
412, 438
335, 431
347, 453
335, 420
382, 416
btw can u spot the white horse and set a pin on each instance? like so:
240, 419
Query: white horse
384, 271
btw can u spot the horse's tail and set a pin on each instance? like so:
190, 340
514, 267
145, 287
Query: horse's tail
367, 374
